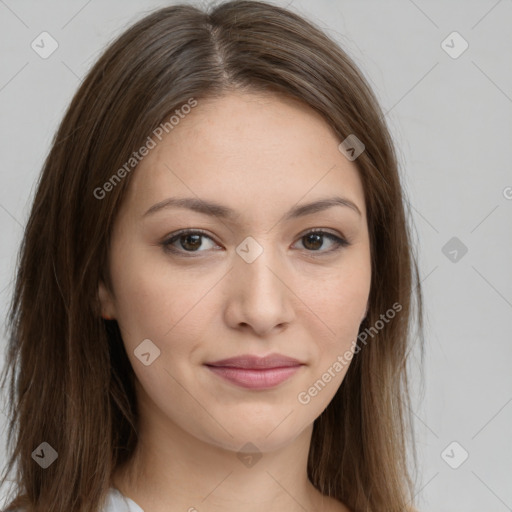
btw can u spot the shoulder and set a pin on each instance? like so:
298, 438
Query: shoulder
114, 502
337, 506
117, 502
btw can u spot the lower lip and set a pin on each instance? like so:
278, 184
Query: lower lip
255, 379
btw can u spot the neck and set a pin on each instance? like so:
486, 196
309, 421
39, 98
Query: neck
172, 470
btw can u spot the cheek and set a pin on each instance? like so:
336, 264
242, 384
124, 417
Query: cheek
338, 304
338, 308
340, 300
141, 294
156, 301
139, 304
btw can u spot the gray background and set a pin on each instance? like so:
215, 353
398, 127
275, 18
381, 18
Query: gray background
451, 121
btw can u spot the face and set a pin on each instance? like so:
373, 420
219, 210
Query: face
255, 280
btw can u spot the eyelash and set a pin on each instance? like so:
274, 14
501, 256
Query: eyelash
339, 242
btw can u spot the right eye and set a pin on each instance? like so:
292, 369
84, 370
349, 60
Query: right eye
189, 240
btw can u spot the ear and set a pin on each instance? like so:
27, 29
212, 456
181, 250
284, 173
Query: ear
108, 311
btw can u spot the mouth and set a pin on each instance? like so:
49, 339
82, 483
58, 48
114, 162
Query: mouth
254, 372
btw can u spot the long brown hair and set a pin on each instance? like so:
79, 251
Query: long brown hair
71, 383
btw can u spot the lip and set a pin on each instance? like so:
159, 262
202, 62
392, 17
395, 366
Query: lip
253, 362
254, 372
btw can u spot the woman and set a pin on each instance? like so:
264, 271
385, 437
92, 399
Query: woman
214, 296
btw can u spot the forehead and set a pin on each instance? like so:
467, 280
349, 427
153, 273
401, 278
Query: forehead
251, 152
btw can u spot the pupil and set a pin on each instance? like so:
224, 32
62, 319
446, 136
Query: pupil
318, 238
197, 241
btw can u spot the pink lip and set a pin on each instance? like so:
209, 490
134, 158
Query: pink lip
255, 372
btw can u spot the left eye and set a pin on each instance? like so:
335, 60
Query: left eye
315, 238
190, 241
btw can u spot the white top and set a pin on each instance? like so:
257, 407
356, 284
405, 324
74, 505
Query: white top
117, 502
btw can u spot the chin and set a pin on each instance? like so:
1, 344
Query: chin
266, 438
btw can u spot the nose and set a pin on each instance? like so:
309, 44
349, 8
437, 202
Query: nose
259, 294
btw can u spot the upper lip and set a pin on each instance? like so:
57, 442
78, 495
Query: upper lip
248, 361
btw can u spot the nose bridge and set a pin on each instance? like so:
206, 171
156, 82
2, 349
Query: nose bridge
260, 296
257, 265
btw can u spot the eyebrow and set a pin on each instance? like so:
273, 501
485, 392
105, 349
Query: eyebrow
218, 210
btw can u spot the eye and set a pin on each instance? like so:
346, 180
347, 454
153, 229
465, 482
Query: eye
190, 241
314, 240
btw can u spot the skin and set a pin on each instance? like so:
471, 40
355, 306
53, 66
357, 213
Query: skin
260, 155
